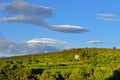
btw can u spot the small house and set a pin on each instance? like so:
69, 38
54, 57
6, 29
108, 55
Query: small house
77, 56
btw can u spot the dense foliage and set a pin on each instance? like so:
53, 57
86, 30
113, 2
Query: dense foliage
92, 64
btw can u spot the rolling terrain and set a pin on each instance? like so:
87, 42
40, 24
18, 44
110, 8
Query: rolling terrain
91, 64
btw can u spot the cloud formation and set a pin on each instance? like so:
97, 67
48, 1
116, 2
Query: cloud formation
68, 29
8, 48
23, 12
95, 42
107, 17
46, 41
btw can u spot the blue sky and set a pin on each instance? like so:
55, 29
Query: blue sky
99, 20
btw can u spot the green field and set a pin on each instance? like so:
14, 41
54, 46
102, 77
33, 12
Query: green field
92, 64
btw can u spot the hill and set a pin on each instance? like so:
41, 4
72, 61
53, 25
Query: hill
91, 64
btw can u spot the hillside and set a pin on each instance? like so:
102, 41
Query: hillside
91, 64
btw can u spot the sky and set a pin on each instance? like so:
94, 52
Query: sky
28, 26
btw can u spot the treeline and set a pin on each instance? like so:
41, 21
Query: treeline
92, 64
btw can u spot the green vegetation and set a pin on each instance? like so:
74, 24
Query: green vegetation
92, 64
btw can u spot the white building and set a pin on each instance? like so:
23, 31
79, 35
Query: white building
77, 56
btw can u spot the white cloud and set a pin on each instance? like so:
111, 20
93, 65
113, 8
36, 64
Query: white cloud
68, 29
23, 12
95, 42
23, 8
8, 48
46, 41
107, 17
